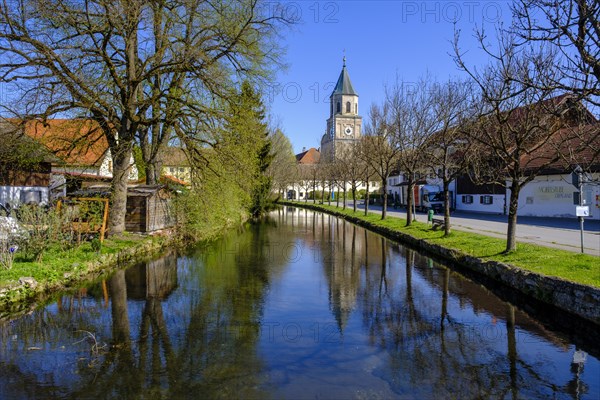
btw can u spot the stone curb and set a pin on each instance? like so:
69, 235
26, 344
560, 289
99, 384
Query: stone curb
575, 298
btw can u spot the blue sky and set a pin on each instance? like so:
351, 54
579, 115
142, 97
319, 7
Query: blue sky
380, 39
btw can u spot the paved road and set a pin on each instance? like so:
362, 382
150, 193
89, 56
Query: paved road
562, 233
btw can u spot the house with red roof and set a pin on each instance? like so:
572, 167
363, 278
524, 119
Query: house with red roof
80, 145
81, 149
308, 157
552, 192
25, 168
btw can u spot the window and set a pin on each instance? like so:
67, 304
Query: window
356, 109
348, 107
338, 107
486, 200
467, 199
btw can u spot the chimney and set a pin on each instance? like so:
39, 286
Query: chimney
303, 149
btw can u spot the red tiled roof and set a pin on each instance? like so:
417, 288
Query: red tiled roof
170, 178
75, 141
310, 156
578, 146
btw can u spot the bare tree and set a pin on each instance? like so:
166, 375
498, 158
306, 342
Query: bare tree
412, 124
305, 180
380, 149
572, 29
100, 59
523, 127
448, 153
367, 173
353, 170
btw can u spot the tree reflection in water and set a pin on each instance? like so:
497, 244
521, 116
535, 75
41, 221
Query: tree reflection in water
194, 326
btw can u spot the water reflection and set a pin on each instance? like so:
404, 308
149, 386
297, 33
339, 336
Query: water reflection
303, 305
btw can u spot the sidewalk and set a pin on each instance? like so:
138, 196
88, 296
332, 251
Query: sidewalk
561, 233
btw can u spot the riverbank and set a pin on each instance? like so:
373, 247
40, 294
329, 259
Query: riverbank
27, 283
566, 280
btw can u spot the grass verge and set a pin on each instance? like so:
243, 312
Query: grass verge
56, 262
574, 267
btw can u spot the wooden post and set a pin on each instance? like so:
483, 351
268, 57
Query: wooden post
104, 220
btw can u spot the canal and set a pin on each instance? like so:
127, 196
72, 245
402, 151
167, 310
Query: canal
301, 305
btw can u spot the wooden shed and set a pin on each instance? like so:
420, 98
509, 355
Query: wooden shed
149, 207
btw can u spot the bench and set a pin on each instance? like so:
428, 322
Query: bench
437, 223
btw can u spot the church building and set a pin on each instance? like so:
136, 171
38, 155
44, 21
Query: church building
344, 125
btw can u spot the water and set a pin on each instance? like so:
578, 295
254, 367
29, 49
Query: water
301, 306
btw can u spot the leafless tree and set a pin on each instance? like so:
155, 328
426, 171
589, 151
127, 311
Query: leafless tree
572, 29
353, 169
448, 152
305, 179
412, 124
379, 148
523, 127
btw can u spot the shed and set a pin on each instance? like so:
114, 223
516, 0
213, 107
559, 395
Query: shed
149, 207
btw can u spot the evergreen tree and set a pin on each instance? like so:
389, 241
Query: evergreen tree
247, 130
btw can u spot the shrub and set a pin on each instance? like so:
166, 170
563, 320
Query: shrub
46, 227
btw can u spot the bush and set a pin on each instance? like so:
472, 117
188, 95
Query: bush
46, 228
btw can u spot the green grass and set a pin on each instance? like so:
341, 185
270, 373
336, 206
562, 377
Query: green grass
571, 266
56, 262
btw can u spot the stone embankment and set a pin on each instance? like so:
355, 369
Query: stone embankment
575, 298
22, 296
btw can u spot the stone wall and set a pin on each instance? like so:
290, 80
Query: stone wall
575, 298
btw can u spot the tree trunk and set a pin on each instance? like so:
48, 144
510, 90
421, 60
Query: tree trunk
409, 201
446, 207
354, 197
367, 199
384, 203
121, 166
511, 234
344, 206
152, 173
120, 318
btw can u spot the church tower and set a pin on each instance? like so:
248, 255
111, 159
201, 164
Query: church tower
344, 125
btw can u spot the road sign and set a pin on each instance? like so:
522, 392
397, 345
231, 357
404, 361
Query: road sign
582, 211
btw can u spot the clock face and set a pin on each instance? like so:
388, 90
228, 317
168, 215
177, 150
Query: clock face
348, 130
